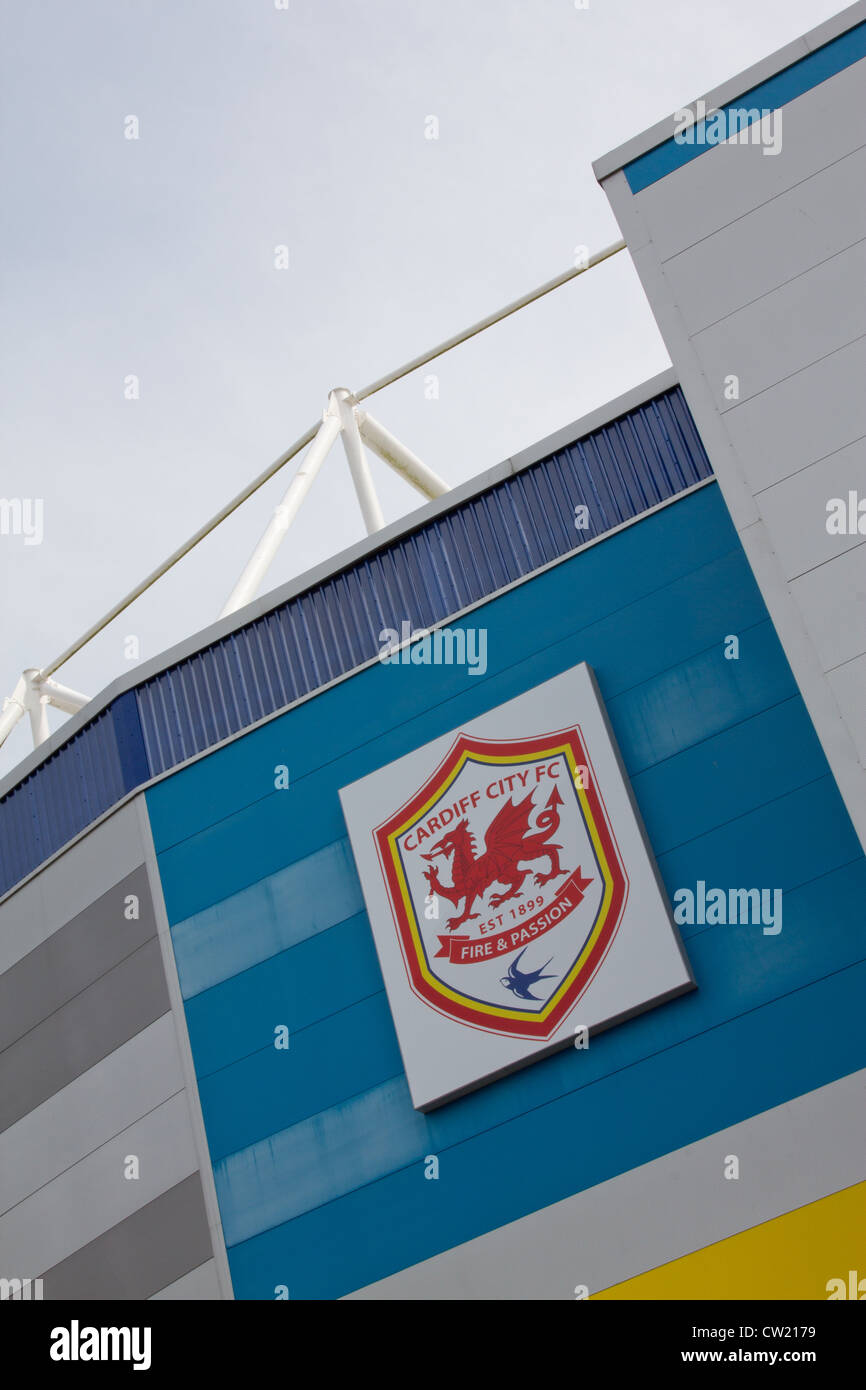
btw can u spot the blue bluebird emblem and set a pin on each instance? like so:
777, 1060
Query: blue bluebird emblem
518, 981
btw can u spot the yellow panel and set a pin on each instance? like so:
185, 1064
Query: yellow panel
792, 1256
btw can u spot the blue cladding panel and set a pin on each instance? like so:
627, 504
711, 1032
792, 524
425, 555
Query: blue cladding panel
601, 599
545, 1150
317, 1152
379, 1128
645, 457
308, 896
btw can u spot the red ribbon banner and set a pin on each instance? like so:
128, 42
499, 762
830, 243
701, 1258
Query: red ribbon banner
467, 950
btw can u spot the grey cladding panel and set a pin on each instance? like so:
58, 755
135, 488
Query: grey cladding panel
74, 957
141, 1255
77, 1036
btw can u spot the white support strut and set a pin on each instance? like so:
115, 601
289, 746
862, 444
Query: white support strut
344, 417
70, 701
284, 514
32, 696
358, 466
36, 708
35, 689
14, 707
401, 459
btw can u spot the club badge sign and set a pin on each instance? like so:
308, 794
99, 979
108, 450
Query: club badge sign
534, 871
510, 889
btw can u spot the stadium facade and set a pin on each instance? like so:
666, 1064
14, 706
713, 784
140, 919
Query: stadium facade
212, 1077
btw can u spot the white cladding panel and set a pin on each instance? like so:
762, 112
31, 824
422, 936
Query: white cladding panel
755, 266
732, 181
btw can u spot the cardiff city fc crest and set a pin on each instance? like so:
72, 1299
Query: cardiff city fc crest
513, 898
505, 882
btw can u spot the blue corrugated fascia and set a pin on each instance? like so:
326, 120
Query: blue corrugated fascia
310, 579
503, 528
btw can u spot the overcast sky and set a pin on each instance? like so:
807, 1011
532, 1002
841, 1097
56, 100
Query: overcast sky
304, 127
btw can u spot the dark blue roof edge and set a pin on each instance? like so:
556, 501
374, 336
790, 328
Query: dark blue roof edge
337, 564
431, 567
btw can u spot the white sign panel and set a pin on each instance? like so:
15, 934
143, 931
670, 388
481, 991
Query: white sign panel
511, 891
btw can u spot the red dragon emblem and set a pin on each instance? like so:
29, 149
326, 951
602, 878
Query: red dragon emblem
508, 846
514, 837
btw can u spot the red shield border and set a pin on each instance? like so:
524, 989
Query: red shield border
423, 983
